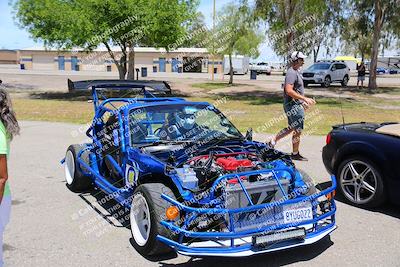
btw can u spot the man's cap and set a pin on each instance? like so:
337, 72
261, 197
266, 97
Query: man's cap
296, 55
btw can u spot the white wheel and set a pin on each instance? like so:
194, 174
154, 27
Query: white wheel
140, 219
76, 180
147, 211
69, 167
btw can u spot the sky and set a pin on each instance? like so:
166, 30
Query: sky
206, 7
12, 37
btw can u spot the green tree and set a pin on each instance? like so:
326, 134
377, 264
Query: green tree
197, 34
372, 23
355, 30
297, 24
235, 33
123, 23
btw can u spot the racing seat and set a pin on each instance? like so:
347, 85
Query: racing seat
111, 151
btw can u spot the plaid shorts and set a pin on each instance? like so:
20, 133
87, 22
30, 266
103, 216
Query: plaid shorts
295, 114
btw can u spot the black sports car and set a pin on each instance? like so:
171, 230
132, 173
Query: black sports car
365, 158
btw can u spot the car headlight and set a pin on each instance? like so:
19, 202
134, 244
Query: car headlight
320, 73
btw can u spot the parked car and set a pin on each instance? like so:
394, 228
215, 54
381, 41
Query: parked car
381, 71
394, 71
326, 73
365, 159
261, 68
191, 180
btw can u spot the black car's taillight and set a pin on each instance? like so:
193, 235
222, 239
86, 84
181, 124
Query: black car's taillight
328, 138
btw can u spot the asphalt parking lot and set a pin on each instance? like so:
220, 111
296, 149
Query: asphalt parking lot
51, 226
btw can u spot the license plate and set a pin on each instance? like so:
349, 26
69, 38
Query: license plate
297, 213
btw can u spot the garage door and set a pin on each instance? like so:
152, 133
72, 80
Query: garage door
43, 62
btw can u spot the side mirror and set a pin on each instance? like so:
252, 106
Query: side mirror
249, 134
333, 68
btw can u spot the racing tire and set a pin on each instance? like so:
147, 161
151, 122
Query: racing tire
147, 211
345, 81
327, 82
75, 179
372, 176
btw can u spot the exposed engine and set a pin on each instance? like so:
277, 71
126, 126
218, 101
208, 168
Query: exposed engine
200, 172
207, 168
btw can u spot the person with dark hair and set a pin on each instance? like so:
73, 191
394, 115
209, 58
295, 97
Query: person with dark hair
361, 74
8, 129
294, 104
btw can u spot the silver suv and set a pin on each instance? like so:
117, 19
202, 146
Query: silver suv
327, 72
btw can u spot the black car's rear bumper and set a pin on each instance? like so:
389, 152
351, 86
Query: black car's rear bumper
328, 158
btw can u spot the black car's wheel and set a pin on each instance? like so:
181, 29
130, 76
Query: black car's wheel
327, 81
147, 210
360, 182
345, 81
74, 177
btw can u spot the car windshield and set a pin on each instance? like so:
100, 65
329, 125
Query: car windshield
179, 122
319, 66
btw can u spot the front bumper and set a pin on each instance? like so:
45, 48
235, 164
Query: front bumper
240, 243
244, 246
314, 80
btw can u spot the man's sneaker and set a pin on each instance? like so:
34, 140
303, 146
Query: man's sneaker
298, 157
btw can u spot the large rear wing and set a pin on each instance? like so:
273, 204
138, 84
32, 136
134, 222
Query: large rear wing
149, 89
149, 86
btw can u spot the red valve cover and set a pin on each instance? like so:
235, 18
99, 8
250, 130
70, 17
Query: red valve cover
231, 164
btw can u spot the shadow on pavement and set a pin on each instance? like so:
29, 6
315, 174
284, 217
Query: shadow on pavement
115, 211
113, 208
387, 208
279, 258
157, 258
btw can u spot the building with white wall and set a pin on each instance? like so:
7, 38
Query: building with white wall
152, 59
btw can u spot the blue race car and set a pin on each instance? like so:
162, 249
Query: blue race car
192, 182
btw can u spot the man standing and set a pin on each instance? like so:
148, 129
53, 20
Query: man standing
294, 104
361, 74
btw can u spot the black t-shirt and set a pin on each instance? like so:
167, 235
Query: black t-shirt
361, 70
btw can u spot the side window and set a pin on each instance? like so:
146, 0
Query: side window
334, 67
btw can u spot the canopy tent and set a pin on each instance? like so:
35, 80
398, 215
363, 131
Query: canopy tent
348, 58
